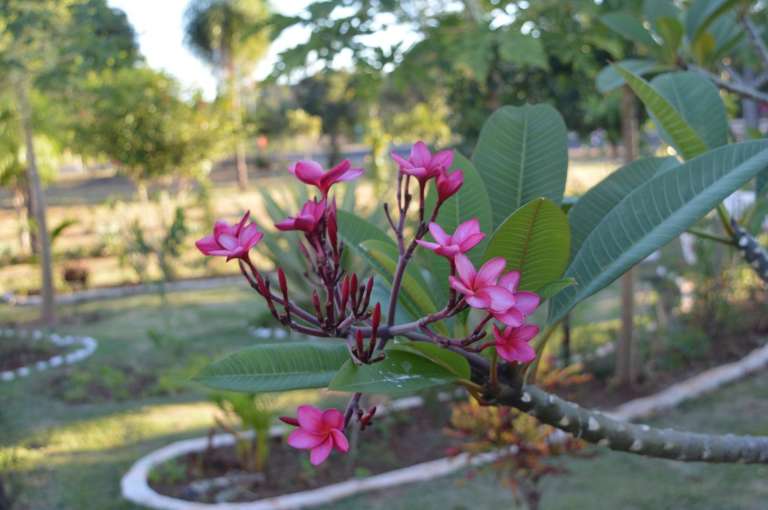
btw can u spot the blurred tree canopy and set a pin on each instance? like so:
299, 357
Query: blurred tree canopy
476, 54
231, 36
137, 118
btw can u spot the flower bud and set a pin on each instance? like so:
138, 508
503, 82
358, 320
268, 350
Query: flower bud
448, 184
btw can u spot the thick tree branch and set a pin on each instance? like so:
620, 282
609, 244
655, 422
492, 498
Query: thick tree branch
736, 88
756, 38
601, 429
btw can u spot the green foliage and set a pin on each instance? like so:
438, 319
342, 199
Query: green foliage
608, 79
534, 240
654, 214
681, 135
592, 207
136, 118
251, 413
405, 369
522, 155
276, 367
698, 102
628, 27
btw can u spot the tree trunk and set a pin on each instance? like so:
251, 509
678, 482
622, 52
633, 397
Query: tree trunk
625, 359
750, 111
37, 198
240, 154
565, 347
22, 218
334, 151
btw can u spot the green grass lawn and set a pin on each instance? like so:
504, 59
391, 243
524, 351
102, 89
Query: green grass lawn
72, 455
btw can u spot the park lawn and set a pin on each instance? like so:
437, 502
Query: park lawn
72, 456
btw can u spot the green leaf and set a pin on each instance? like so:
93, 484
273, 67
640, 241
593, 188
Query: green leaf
451, 361
702, 13
277, 367
552, 289
654, 214
653, 10
522, 50
596, 203
699, 103
414, 295
671, 31
629, 27
354, 230
522, 154
400, 372
608, 79
682, 136
534, 240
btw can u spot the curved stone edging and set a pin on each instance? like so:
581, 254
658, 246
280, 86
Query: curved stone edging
135, 488
87, 347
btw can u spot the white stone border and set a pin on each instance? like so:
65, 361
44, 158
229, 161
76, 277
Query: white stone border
87, 347
135, 486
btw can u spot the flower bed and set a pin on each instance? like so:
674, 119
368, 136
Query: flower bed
41, 351
137, 488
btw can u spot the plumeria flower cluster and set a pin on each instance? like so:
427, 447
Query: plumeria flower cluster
341, 306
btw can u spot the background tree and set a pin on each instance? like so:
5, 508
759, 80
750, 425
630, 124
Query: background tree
137, 119
231, 36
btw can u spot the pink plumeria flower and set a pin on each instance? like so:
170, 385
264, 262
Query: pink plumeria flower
233, 241
422, 164
318, 431
525, 303
512, 343
307, 220
466, 237
448, 184
312, 173
479, 287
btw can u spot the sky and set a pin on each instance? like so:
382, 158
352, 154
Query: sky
159, 26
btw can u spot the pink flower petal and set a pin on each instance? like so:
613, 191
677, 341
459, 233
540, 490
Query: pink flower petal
321, 452
465, 230
401, 162
303, 440
207, 244
332, 418
416, 171
428, 245
501, 299
510, 280
242, 222
489, 273
340, 440
352, 173
286, 224
307, 171
522, 352
471, 241
438, 233
458, 286
465, 270
512, 317
481, 302
527, 302
228, 241
310, 418
527, 332
420, 155
443, 159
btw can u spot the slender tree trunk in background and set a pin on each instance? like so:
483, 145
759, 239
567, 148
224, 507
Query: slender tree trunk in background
625, 357
31, 228
22, 218
334, 151
565, 347
48, 313
240, 154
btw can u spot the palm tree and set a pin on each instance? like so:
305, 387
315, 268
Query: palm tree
231, 36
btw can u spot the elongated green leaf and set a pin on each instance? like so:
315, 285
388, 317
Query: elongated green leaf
608, 79
653, 10
534, 240
654, 214
593, 206
400, 372
522, 154
698, 102
451, 361
629, 27
277, 367
414, 295
702, 13
353, 230
682, 136
552, 289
